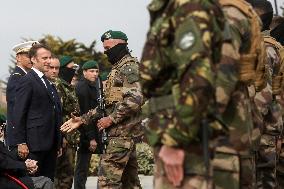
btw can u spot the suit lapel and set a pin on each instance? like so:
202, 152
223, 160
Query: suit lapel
41, 84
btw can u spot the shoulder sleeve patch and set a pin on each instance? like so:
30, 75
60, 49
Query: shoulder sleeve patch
189, 41
131, 72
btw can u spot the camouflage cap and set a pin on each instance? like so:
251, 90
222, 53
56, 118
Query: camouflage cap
114, 35
90, 65
64, 60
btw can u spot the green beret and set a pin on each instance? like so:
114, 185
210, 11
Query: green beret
104, 75
64, 60
114, 35
90, 65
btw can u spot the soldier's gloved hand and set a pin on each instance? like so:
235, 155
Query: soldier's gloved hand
23, 151
104, 123
71, 124
93, 145
173, 160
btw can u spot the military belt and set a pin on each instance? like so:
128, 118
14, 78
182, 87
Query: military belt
135, 139
156, 104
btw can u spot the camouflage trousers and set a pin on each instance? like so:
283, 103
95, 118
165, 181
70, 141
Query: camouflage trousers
232, 170
64, 172
118, 166
280, 167
193, 166
266, 162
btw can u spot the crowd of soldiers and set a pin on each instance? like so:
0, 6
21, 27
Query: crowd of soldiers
209, 88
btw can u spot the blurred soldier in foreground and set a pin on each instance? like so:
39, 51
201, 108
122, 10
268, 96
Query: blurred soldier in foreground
122, 122
266, 103
23, 65
178, 76
87, 91
242, 57
278, 33
66, 163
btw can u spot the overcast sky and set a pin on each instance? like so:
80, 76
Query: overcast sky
84, 20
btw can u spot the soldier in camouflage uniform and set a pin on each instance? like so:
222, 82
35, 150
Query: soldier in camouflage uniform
243, 57
118, 166
267, 104
65, 164
178, 76
277, 32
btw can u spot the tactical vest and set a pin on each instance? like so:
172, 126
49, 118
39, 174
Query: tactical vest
252, 63
277, 78
112, 92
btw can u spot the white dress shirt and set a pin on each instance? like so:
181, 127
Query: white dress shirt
40, 74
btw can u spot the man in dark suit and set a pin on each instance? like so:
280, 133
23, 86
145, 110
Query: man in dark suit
37, 116
22, 67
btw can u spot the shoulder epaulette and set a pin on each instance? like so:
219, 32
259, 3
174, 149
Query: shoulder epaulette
16, 74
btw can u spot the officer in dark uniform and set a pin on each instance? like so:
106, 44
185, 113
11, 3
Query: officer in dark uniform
23, 65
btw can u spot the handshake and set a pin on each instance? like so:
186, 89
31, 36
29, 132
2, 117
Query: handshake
31, 166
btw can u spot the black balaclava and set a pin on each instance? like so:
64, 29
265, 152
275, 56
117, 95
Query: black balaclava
266, 9
117, 52
66, 74
278, 33
266, 20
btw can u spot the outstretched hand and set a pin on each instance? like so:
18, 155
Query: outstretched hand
71, 124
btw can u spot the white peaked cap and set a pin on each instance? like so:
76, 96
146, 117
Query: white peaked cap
24, 47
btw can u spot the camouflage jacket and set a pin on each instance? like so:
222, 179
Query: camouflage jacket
233, 99
177, 68
123, 98
70, 105
265, 100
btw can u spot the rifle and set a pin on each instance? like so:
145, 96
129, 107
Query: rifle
205, 145
102, 110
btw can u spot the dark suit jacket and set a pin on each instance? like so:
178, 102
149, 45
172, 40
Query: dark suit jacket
13, 81
88, 95
35, 115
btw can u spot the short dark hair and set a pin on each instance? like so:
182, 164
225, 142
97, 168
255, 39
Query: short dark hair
35, 47
263, 5
278, 33
266, 9
277, 20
